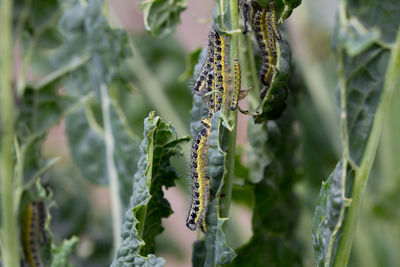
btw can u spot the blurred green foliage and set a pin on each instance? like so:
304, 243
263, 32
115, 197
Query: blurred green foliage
71, 46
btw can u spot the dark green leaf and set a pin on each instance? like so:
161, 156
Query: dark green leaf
199, 253
161, 17
49, 39
217, 249
326, 218
257, 158
273, 241
148, 205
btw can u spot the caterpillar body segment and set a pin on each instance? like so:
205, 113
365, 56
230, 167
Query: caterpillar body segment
42, 221
236, 85
200, 83
31, 228
274, 21
220, 72
258, 25
200, 180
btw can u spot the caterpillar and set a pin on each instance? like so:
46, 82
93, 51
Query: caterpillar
267, 70
265, 28
237, 85
201, 83
33, 224
200, 180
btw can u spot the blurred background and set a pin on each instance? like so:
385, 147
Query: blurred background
83, 209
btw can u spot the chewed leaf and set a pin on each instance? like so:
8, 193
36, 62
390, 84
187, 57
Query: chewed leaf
367, 68
217, 249
62, 253
148, 205
161, 17
327, 216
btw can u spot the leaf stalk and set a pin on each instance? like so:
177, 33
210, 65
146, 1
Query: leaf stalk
9, 235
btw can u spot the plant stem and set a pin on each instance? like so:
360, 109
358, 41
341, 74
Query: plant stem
112, 173
392, 82
9, 218
234, 50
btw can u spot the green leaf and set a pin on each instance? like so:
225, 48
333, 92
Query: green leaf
217, 249
62, 253
199, 253
284, 8
161, 17
257, 157
148, 205
273, 241
49, 39
40, 110
86, 33
87, 145
330, 208
368, 74
40, 13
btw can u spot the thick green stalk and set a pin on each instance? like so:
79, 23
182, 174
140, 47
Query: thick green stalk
234, 54
392, 82
9, 218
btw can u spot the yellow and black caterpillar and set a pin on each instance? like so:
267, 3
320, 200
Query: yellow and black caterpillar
33, 232
200, 180
213, 84
264, 24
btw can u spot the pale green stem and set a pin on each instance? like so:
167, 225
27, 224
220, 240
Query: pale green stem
112, 173
234, 54
9, 223
392, 82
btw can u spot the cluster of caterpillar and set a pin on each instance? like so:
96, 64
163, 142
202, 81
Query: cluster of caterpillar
34, 232
264, 24
213, 85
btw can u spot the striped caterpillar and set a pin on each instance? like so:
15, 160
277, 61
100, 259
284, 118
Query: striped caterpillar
236, 84
264, 24
33, 231
200, 180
